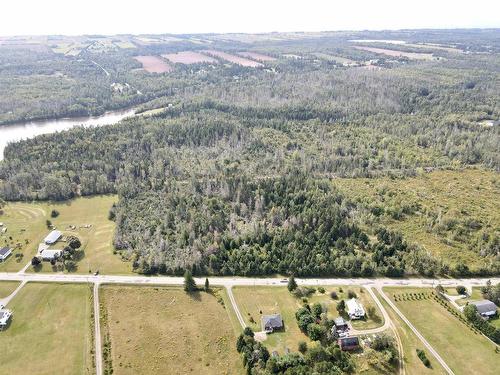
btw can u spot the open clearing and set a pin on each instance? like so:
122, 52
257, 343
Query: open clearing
189, 57
7, 287
26, 224
233, 58
454, 197
337, 59
394, 53
50, 331
163, 330
462, 349
97, 240
153, 64
270, 300
257, 56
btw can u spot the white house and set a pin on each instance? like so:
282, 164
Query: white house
52, 237
485, 308
355, 309
49, 255
4, 318
4, 253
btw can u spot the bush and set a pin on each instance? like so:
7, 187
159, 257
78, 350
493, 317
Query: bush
423, 358
351, 294
54, 213
461, 289
321, 290
334, 295
302, 347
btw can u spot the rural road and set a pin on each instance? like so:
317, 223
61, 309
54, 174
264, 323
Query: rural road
239, 281
412, 327
387, 319
97, 332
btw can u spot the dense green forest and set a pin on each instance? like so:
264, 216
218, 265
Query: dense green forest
231, 173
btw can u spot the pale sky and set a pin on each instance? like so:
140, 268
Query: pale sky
73, 17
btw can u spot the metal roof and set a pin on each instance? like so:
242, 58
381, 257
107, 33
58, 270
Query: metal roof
485, 306
53, 236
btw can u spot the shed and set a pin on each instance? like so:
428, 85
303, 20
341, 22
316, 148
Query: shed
270, 323
52, 237
485, 308
349, 343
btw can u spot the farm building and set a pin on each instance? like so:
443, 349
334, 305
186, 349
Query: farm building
5, 316
49, 255
355, 309
485, 308
349, 343
271, 323
52, 237
4, 253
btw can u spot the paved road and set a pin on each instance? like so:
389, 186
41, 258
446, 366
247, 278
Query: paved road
412, 327
234, 281
97, 332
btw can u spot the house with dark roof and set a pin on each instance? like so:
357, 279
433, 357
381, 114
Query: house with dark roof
349, 343
4, 253
271, 323
485, 308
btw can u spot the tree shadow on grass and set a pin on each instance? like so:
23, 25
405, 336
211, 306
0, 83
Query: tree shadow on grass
196, 295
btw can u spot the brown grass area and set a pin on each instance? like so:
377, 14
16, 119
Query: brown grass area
394, 53
153, 64
189, 57
233, 58
163, 330
256, 56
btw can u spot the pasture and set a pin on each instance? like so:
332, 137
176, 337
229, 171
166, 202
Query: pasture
462, 349
7, 287
164, 330
153, 64
395, 53
257, 56
189, 57
50, 332
233, 58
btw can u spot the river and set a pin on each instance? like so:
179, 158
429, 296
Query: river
30, 129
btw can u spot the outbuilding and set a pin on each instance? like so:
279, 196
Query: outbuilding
485, 308
52, 237
49, 255
349, 343
4, 253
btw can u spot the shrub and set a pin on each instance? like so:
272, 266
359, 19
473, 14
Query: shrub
351, 294
461, 289
423, 358
302, 347
54, 213
321, 290
334, 295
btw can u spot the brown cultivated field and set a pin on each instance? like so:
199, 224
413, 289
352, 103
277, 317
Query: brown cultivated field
153, 64
233, 59
394, 53
189, 57
257, 56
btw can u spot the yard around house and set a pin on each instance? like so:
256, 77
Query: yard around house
270, 300
164, 330
50, 331
462, 349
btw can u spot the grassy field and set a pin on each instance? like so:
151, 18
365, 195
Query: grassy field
462, 349
50, 331
26, 224
446, 201
410, 342
269, 300
7, 287
166, 331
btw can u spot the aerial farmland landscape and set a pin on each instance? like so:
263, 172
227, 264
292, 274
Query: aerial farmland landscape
212, 188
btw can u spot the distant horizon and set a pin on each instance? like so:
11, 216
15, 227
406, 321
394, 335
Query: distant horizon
113, 17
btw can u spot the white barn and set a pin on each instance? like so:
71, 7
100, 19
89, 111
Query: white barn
355, 309
52, 237
49, 255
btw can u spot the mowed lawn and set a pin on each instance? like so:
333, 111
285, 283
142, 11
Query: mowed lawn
97, 239
50, 332
163, 330
7, 287
253, 302
464, 351
410, 343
